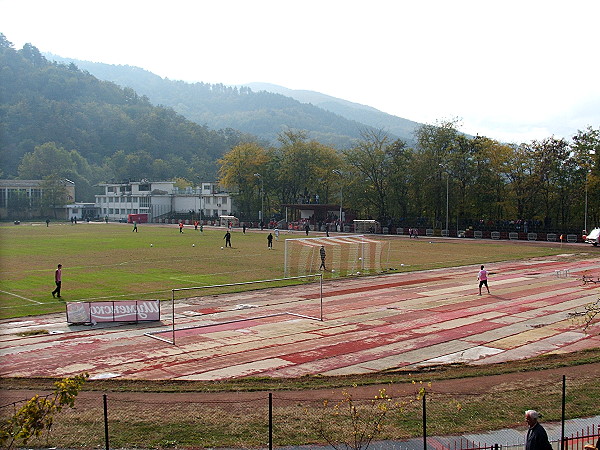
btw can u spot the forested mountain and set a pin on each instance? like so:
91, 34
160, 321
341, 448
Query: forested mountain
397, 126
114, 132
264, 114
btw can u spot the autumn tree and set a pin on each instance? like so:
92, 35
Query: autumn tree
38, 414
237, 173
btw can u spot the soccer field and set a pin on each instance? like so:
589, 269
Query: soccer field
110, 262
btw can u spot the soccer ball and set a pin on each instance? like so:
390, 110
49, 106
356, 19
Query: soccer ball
360, 259
193, 245
151, 245
221, 248
332, 270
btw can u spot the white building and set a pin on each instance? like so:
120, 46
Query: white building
161, 199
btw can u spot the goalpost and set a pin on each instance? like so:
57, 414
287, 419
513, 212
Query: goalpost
344, 255
307, 303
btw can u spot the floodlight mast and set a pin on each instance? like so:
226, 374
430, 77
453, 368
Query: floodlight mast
443, 166
262, 196
338, 172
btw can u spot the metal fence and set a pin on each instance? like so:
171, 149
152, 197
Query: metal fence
381, 419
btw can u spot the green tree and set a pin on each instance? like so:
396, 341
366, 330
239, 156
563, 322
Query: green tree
586, 151
303, 168
45, 160
54, 194
378, 165
433, 149
551, 172
519, 170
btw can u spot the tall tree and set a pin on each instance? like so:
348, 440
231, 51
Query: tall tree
45, 160
375, 159
435, 144
586, 151
237, 173
551, 158
54, 194
303, 168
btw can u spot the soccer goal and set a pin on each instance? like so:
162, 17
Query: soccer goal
220, 304
344, 255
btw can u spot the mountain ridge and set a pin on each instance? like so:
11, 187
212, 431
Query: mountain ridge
366, 114
328, 119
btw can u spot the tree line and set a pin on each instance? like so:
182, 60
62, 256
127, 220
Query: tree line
446, 177
58, 120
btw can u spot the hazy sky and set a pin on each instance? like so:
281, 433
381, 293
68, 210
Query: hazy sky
510, 70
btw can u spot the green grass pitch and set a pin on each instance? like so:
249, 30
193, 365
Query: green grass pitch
110, 262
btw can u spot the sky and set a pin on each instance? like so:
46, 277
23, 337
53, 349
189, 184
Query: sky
511, 70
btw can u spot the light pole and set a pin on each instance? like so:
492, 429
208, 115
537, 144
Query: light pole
262, 195
447, 191
337, 172
586, 202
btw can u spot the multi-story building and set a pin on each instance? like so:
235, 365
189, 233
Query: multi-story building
22, 199
160, 199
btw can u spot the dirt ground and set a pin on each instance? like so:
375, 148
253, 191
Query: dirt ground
472, 384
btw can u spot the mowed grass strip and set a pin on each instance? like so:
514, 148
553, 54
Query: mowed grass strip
110, 262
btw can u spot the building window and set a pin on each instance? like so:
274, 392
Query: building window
207, 200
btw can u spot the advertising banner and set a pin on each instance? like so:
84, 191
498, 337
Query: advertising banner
120, 311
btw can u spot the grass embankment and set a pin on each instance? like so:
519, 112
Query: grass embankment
460, 399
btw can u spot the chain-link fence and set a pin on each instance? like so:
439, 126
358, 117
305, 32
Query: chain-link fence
354, 418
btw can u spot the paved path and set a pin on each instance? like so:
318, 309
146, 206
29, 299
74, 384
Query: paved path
370, 324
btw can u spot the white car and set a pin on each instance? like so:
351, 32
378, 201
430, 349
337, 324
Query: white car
594, 237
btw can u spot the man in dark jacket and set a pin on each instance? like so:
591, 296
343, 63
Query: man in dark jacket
537, 438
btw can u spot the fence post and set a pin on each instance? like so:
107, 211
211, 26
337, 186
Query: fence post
562, 419
106, 423
270, 421
424, 423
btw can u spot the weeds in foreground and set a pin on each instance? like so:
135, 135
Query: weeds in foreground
349, 424
37, 415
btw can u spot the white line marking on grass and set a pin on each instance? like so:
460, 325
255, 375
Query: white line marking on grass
20, 296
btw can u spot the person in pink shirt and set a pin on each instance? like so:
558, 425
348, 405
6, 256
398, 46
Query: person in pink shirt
57, 281
482, 276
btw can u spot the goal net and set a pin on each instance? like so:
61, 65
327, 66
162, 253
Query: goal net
227, 304
344, 255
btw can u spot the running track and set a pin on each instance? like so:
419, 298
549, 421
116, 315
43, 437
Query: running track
370, 324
